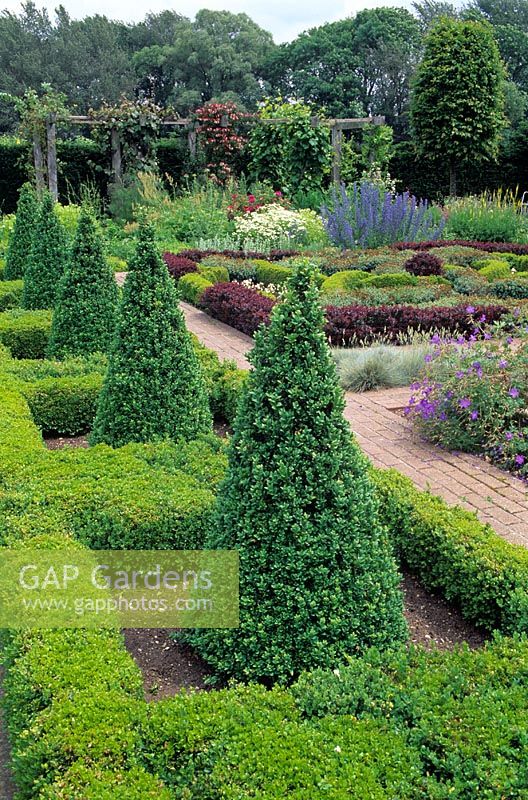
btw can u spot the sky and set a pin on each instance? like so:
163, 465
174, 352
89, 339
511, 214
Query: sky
284, 18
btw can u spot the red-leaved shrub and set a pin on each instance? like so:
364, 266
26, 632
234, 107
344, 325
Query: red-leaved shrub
242, 308
245, 309
487, 247
179, 265
424, 263
362, 324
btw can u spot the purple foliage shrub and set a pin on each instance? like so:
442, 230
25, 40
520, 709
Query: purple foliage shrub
424, 263
486, 247
179, 265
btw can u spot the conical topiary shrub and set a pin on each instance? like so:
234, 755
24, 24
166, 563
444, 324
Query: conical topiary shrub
154, 387
318, 580
47, 258
19, 246
85, 314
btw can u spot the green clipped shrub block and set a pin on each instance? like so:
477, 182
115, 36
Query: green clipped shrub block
390, 279
47, 258
515, 287
249, 742
192, 286
298, 505
451, 551
92, 782
343, 281
11, 294
268, 273
25, 333
214, 274
154, 387
495, 270
85, 314
20, 240
65, 406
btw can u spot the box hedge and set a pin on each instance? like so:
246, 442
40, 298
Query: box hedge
192, 286
25, 333
11, 294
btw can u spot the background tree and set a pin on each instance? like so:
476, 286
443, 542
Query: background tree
47, 258
19, 247
318, 581
458, 103
154, 387
85, 313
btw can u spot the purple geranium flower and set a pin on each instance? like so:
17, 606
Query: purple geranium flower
465, 402
514, 392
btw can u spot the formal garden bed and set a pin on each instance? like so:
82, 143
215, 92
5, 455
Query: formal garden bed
432, 723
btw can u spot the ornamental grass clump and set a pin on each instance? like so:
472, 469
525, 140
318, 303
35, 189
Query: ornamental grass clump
154, 387
47, 258
19, 246
85, 315
318, 580
367, 216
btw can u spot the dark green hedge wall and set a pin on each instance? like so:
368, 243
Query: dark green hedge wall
80, 161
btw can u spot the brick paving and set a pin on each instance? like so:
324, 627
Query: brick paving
389, 441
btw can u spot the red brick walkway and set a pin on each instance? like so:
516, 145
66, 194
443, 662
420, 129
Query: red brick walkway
387, 438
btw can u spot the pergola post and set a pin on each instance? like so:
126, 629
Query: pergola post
117, 163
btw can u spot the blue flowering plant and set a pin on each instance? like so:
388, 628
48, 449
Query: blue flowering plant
473, 393
365, 215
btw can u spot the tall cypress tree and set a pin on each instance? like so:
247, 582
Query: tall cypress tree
318, 580
47, 258
19, 246
85, 314
154, 387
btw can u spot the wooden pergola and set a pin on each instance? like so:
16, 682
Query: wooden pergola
46, 170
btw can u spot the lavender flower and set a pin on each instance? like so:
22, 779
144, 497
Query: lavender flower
366, 216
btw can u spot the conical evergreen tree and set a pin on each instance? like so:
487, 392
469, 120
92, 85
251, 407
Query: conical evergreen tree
85, 314
154, 387
47, 258
318, 580
19, 246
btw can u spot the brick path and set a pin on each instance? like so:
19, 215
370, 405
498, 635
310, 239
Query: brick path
388, 439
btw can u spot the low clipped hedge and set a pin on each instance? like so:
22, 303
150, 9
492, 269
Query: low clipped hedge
452, 552
214, 274
242, 308
65, 405
192, 286
403, 725
25, 333
350, 325
268, 273
245, 309
486, 247
10, 294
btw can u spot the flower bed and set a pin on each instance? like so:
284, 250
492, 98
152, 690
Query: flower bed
473, 397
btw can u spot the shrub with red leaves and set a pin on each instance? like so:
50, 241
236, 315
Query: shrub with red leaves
245, 309
242, 308
424, 263
348, 325
487, 247
179, 265
273, 255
